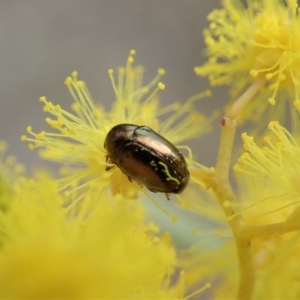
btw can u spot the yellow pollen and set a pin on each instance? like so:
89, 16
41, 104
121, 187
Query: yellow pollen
175, 218
132, 52
253, 73
272, 101
75, 107
74, 74
130, 59
43, 99
40, 135
161, 71
273, 124
47, 106
48, 120
269, 75
68, 81
58, 108
64, 131
297, 104
80, 84
161, 86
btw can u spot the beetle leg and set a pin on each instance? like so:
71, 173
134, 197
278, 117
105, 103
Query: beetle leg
167, 194
131, 180
109, 164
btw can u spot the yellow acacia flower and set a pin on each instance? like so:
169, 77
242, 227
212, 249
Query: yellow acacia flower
10, 168
213, 256
268, 194
272, 172
215, 260
259, 41
279, 279
268, 181
109, 252
10, 175
77, 142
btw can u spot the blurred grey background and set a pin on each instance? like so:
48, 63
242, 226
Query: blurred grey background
43, 41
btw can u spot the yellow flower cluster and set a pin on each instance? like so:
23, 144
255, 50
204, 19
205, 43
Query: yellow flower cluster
79, 237
268, 208
77, 143
257, 42
273, 170
11, 173
268, 181
51, 252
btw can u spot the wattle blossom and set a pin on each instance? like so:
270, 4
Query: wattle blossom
77, 142
268, 177
268, 209
11, 174
257, 44
51, 252
78, 236
271, 172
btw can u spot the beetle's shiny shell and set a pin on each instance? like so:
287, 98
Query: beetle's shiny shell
147, 157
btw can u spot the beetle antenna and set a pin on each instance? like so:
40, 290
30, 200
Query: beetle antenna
187, 148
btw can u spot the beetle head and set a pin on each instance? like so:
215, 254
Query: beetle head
119, 136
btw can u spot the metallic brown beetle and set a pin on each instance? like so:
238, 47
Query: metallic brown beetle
147, 157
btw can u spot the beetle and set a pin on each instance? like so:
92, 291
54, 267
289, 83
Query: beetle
147, 157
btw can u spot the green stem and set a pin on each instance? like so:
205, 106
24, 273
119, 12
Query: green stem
227, 199
240, 104
223, 190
